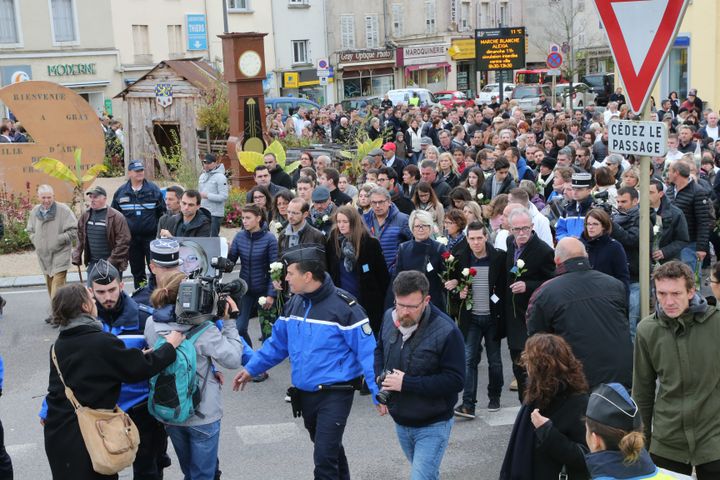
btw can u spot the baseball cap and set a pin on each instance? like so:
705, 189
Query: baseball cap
611, 405
389, 146
102, 273
209, 158
136, 165
98, 190
320, 194
165, 252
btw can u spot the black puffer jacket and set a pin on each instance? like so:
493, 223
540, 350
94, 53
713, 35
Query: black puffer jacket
693, 202
626, 230
590, 311
674, 233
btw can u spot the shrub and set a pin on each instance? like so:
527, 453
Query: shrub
15, 208
233, 208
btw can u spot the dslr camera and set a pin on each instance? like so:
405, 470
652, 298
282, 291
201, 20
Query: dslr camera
201, 298
383, 396
600, 200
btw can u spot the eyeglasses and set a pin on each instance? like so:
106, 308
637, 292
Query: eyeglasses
521, 229
399, 306
710, 280
421, 227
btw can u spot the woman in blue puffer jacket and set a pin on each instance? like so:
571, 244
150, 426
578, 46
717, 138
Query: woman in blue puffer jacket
257, 249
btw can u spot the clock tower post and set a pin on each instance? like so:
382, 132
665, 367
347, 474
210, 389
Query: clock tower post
244, 64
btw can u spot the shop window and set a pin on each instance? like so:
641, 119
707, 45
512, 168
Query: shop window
347, 32
63, 21
238, 5
9, 23
382, 84
430, 16
175, 41
300, 51
372, 36
398, 15
678, 71
141, 45
352, 88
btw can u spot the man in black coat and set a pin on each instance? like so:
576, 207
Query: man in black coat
277, 174
589, 309
672, 231
192, 221
529, 263
481, 321
626, 230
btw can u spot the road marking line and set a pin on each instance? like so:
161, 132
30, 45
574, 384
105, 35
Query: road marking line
16, 292
266, 434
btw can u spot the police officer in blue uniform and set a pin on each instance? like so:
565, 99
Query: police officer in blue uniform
164, 260
328, 338
142, 204
119, 316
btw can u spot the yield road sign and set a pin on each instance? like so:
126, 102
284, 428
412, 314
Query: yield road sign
640, 33
554, 60
637, 138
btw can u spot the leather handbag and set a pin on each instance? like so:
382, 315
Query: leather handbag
110, 436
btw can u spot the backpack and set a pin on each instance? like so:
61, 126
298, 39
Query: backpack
174, 392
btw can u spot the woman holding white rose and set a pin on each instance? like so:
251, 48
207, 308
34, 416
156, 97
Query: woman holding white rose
256, 248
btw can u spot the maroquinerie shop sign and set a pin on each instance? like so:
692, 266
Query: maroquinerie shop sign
71, 69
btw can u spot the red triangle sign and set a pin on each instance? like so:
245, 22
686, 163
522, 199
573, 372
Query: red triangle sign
640, 33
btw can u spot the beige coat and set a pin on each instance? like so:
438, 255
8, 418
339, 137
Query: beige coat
53, 238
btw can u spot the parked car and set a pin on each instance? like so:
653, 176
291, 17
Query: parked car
290, 105
403, 95
581, 95
493, 90
360, 104
528, 96
602, 85
453, 98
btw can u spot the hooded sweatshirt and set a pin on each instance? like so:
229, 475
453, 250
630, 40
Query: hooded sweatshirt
214, 183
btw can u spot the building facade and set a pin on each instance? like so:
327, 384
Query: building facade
68, 42
300, 44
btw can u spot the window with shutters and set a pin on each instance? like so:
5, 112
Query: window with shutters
430, 16
398, 15
175, 41
300, 51
347, 32
464, 16
238, 5
485, 15
64, 26
9, 23
141, 45
372, 36
503, 14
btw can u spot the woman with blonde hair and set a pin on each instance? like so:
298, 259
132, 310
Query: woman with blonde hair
432, 153
447, 170
473, 213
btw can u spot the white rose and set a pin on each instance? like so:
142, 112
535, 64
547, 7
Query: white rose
465, 272
656, 229
520, 263
451, 258
480, 196
262, 301
293, 192
442, 240
541, 182
325, 218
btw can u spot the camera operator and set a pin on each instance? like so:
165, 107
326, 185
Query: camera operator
197, 439
420, 362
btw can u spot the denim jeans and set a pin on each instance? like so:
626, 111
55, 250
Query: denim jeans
481, 327
249, 302
634, 309
215, 223
688, 255
196, 448
424, 447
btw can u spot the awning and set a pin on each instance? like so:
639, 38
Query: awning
429, 66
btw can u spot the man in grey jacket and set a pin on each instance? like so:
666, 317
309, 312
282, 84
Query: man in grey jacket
213, 189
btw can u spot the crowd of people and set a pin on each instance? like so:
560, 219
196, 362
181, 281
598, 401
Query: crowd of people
467, 226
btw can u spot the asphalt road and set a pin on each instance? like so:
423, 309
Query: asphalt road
260, 439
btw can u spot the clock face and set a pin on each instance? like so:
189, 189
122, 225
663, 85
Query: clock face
250, 63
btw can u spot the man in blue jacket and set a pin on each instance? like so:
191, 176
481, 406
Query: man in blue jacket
328, 338
420, 362
119, 316
572, 223
142, 204
388, 224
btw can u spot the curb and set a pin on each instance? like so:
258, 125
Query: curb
39, 280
